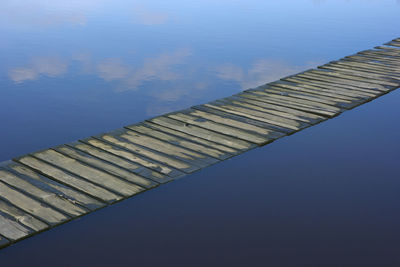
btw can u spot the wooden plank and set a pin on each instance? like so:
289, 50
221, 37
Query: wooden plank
343, 81
356, 77
69, 179
372, 65
22, 217
59, 189
3, 242
148, 130
339, 95
203, 133
103, 179
244, 103
317, 97
288, 103
12, 229
311, 106
150, 154
149, 163
332, 88
359, 73
39, 210
220, 128
396, 44
181, 135
105, 166
363, 68
48, 197
287, 124
180, 153
364, 58
304, 116
121, 162
267, 133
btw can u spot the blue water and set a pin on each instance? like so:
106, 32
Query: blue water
327, 196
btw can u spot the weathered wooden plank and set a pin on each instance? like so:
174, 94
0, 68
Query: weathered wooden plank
103, 179
388, 48
12, 229
3, 242
148, 153
241, 102
344, 81
317, 97
336, 95
203, 133
121, 162
356, 72
334, 87
69, 179
396, 44
59, 189
297, 103
289, 103
289, 125
374, 65
180, 153
181, 135
120, 152
384, 62
363, 68
48, 197
267, 133
22, 217
220, 128
381, 54
40, 210
105, 166
355, 77
254, 100
148, 130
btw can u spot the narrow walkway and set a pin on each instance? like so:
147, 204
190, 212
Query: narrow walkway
50, 187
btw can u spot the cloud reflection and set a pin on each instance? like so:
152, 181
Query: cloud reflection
47, 66
145, 16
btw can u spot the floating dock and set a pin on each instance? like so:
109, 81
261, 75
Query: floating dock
44, 189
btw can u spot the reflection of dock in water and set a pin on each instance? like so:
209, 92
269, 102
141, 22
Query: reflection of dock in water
50, 187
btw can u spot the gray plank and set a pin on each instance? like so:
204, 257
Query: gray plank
220, 128
68, 179
91, 174
31, 206
105, 166
50, 185
148, 153
22, 217
121, 162
280, 131
280, 89
182, 142
166, 148
149, 163
363, 68
181, 135
372, 65
304, 116
265, 132
12, 229
344, 81
365, 58
203, 133
289, 125
48, 197
242, 103
332, 88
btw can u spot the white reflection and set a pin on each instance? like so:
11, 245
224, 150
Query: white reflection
260, 72
47, 66
112, 69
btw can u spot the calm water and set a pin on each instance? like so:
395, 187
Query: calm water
327, 196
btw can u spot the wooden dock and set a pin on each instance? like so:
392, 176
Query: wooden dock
46, 188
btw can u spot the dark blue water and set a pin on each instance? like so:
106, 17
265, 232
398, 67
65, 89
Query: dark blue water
327, 196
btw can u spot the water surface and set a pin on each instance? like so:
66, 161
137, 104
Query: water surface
327, 195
